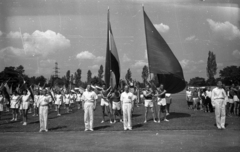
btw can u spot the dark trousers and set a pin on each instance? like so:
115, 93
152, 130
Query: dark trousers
209, 103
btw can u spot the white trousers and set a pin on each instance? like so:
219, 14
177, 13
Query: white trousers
127, 115
43, 117
220, 112
88, 115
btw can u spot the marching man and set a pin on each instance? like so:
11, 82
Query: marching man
89, 98
219, 99
126, 102
43, 110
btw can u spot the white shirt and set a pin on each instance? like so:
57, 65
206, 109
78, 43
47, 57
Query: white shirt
126, 97
209, 93
26, 97
189, 93
43, 100
78, 97
218, 93
89, 96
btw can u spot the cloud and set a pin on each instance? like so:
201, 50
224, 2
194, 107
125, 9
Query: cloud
38, 43
189, 65
162, 28
126, 58
225, 29
236, 54
88, 55
191, 38
139, 63
184, 63
14, 35
94, 66
47, 63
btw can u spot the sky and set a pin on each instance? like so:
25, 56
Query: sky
73, 33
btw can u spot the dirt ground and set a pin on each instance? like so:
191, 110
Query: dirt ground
188, 130
164, 140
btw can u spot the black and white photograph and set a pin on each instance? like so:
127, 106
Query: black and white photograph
120, 75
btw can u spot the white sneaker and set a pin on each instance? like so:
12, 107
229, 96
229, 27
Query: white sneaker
40, 130
145, 121
24, 124
91, 129
46, 130
85, 130
114, 121
58, 114
158, 121
129, 128
166, 120
155, 121
111, 122
12, 119
125, 129
102, 121
167, 114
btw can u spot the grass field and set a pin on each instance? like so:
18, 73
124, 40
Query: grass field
180, 118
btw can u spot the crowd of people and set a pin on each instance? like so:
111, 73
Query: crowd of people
114, 102
223, 100
118, 103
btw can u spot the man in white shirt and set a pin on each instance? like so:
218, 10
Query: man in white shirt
126, 102
89, 98
219, 99
43, 102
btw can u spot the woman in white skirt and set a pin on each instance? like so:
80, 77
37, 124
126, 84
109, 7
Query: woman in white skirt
235, 101
72, 99
15, 103
78, 100
58, 102
161, 93
25, 105
1, 104
35, 103
66, 100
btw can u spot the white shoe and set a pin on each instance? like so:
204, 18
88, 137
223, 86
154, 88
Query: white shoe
46, 130
58, 114
145, 121
91, 129
167, 114
40, 130
125, 129
155, 121
24, 124
111, 122
15, 119
102, 121
114, 121
86, 130
129, 128
121, 120
12, 119
158, 121
166, 120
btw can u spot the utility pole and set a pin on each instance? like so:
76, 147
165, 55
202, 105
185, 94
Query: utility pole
56, 70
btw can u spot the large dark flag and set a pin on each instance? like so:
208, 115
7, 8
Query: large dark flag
161, 59
112, 64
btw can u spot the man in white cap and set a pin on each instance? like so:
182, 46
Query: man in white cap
127, 102
219, 99
89, 98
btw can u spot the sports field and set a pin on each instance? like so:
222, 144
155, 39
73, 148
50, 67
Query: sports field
187, 130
